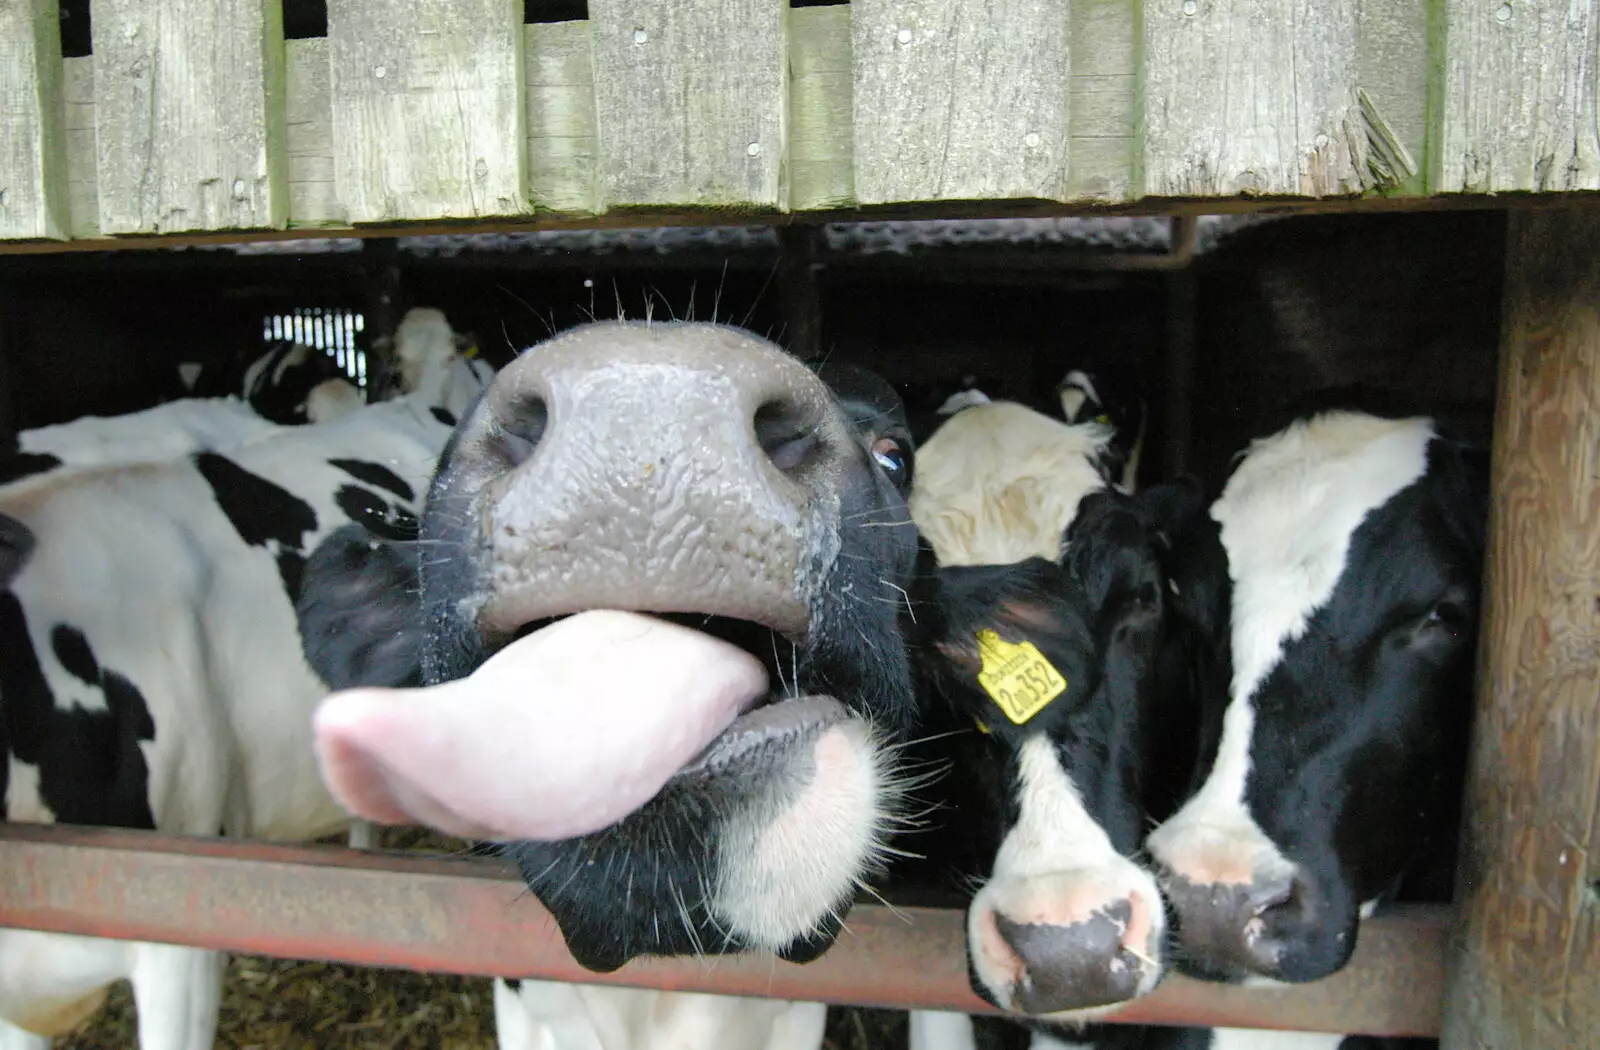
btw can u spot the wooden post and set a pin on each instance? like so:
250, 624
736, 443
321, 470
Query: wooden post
1176, 424
1526, 963
384, 290
798, 290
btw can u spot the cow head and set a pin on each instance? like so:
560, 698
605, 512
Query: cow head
434, 362
1100, 396
700, 475
1344, 564
292, 383
1055, 665
999, 482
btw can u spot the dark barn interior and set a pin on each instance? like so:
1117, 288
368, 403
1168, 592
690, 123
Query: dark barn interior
1263, 313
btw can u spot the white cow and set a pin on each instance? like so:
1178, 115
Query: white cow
151, 672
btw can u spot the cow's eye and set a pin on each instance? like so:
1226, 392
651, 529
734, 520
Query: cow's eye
1448, 613
1446, 619
890, 456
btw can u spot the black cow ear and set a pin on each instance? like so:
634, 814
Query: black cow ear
360, 611
16, 546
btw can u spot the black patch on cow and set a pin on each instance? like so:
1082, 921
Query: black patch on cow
91, 769
72, 650
377, 515
375, 474
513, 983
19, 465
260, 510
292, 570
443, 415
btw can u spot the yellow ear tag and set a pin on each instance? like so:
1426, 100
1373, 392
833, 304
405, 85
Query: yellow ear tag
1017, 677
1102, 418
471, 351
981, 727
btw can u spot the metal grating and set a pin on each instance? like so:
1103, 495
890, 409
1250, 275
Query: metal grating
331, 330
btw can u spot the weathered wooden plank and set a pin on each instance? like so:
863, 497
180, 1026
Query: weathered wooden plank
821, 142
957, 101
32, 158
308, 116
1393, 69
1266, 97
428, 109
691, 101
77, 101
189, 115
1103, 98
1523, 972
561, 120
1519, 97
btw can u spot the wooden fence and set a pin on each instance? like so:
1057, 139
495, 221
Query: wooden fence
196, 116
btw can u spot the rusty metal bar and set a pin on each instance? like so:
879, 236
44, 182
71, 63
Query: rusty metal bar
472, 916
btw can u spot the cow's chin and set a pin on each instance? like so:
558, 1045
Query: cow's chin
759, 842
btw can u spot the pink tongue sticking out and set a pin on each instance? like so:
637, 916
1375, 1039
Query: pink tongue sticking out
562, 733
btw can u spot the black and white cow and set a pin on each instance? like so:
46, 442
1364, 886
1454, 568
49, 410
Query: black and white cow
1336, 718
661, 627
288, 384
1044, 568
164, 432
150, 669
292, 383
424, 346
1105, 397
178, 428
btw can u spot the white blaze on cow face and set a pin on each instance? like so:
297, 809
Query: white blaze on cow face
999, 482
1287, 516
1076, 391
1057, 868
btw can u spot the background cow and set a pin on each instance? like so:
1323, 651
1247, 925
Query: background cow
180, 427
150, 668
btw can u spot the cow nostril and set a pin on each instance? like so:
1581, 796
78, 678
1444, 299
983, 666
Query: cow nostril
1273, 897
786, 434
520, 429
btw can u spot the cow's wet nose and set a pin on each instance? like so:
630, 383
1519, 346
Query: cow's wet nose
1277, 927
667, 469
785, 421
1071, 954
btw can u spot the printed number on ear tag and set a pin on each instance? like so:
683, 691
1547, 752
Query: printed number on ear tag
1017, 677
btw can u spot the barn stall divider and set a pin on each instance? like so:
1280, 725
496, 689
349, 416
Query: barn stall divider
196, 121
